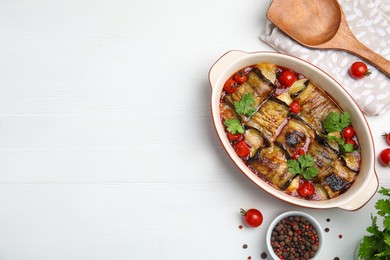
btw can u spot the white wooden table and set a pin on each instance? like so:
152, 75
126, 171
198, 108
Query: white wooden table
107, 149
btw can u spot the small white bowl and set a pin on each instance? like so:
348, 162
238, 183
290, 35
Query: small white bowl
311, 219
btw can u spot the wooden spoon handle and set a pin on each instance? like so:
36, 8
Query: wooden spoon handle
359, 49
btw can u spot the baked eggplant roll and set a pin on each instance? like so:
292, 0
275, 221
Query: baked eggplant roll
269, 119
271, 165
315, 105
295, 135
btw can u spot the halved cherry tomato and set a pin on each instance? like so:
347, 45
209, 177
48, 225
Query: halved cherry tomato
234, 137
252, 217
384, 157
295, 107
298, 153
348, 132
359, 70
242, 148
287, 78
230, 86
240, 77
350, 141
387, 137
306, 189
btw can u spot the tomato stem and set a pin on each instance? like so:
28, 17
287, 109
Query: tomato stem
242, 212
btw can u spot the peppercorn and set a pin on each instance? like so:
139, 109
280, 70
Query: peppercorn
294, 237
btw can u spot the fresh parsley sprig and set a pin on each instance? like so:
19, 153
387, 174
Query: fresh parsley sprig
346, 148
377, 245
234, 126
336, 121
246, 105
303, 166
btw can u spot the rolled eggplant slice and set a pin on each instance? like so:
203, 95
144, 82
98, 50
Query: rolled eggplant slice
255, 139
352, 160
323, 156
271, 165
315, 106
268, 70
269, 119
260, 90
295, 135
337, 179
263, 89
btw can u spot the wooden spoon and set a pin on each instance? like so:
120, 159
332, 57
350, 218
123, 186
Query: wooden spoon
321, 24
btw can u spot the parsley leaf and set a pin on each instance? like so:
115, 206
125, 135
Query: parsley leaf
336, 122
245, 105
383, 207
377, 244
346, 148
385, 192
304, 166
234, 126
293, 166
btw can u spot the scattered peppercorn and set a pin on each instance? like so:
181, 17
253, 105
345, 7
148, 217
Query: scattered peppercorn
328, 220
336, 258
263, 255
294, 236
245, 246
240, 226
326, 229
340, 236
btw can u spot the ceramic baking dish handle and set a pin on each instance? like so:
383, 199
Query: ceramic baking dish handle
222, 63
364, 197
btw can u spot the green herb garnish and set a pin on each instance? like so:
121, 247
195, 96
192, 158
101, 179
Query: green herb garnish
245, 105
303, 166
346, 148
336, 122
234, 126
377, 245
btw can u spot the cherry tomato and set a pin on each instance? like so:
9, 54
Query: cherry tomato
359, 70
242, 148
298, 153
306, 189
287, 78
348, 132
230, 86
384, 157
240, 77
387, 137
235, 137
295, 107
252, 217
350, 141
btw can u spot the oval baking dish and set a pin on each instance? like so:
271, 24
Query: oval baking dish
366, 183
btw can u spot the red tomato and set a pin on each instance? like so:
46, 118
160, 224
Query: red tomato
387, 137
252, 217
359, 70
287, 78
306, 189
230, 86
350, 141
298, 153
234, 137
348, 132
242, 148
240, 77
384, 157
295, 107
